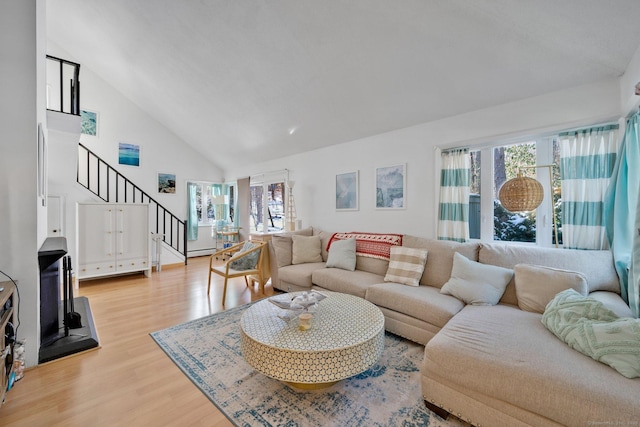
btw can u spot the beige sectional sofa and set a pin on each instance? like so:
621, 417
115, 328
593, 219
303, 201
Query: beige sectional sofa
489, 365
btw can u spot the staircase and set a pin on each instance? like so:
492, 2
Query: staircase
93, 173
108, 184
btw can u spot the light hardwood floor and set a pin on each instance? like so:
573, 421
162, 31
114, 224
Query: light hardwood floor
128, 381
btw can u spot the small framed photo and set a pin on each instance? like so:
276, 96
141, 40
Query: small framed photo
89, 122
391, 183
347, 185
166, 183
128, 154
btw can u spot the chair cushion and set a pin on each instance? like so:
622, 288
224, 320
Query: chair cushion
242, 261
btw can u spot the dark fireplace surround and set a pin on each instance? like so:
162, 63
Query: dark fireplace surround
55, 339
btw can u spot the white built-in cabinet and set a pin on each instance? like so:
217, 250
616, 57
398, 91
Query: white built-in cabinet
112, 238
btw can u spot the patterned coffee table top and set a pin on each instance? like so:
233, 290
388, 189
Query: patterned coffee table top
346, 338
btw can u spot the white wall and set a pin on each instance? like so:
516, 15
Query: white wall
23, 216
314, 172
629, 101
120, 120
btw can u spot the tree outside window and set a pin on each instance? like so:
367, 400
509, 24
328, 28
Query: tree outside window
506, 160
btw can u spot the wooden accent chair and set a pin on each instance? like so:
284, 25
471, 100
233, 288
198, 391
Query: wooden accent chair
227, 271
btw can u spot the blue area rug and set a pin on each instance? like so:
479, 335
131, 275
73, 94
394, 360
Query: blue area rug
207, 350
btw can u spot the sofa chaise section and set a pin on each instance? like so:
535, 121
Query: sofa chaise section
499, 365
490, 365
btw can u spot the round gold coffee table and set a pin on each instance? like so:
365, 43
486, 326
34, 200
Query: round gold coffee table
346, 338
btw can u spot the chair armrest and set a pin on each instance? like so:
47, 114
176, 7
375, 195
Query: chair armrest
233, 248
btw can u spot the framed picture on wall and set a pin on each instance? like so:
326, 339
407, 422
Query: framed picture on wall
347, 191
391, 183
89, 122
166, 183
128, 154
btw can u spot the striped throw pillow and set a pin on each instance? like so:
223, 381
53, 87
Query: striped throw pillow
406, 265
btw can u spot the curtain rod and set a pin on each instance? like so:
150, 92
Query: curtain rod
510, 140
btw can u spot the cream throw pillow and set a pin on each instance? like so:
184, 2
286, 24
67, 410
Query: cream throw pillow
475, 283
536, 285
342, 254
406, 265
283, 251
306, 249
282, 245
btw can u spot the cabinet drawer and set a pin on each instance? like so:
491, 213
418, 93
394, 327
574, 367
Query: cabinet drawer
133, 264
96, 269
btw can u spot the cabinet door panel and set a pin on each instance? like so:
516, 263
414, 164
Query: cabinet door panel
95, 235
132, 234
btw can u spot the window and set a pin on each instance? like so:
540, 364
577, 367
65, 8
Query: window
205, 206
474, 195
267, 203
488, 219
508, 161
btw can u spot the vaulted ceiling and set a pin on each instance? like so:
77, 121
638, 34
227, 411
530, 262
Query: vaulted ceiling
250, 80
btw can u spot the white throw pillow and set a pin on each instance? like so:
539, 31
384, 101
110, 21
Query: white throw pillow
406, 265
536, 285
306, 249
342, 254
475, 283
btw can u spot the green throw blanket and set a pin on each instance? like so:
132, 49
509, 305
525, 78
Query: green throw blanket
592, 329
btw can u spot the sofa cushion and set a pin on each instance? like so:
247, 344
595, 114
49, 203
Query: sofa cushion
437, 270
282, 245
324, 238
507, 355
342, 255
537, 285
475, 283
306, 249
406, 265
425, 303
372, 265
597, 266
613, 302
300, 274
349, 282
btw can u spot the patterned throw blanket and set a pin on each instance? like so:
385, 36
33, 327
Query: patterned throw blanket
590, 328
372, 245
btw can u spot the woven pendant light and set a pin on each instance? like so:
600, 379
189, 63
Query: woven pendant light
521, 194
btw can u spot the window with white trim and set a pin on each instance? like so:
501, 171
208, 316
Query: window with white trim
495, 164
267, 202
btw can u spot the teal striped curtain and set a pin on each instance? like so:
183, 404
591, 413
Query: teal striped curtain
192, 212
455, 178
587, 159
622, 213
